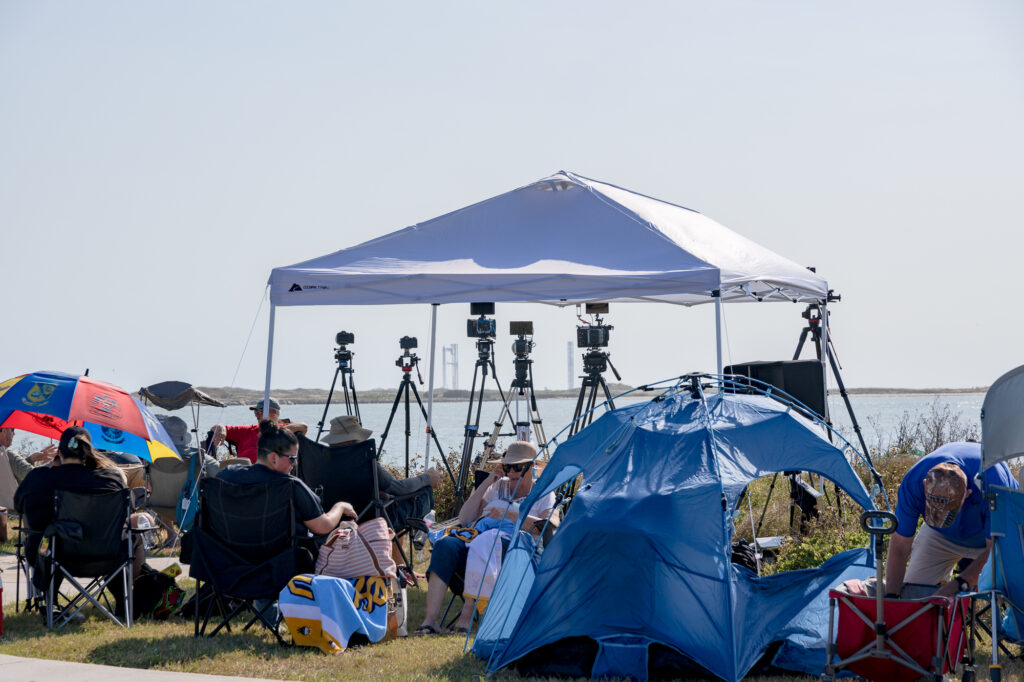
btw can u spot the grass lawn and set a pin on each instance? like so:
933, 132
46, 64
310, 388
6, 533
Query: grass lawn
170, 646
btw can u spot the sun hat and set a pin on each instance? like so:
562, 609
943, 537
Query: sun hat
346, 429
945, 486
69, 440
258, 407
177, 429
519, 452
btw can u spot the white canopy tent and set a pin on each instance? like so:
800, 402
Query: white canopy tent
562, 240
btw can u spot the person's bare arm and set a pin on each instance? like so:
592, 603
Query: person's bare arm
296, 427
896, 562
470, 510
971, 574
325, 523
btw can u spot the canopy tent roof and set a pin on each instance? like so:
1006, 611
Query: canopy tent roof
642, 559
1002, 428
564, 239
174, 395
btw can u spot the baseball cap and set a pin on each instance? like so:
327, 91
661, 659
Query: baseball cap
274, 405
945, 487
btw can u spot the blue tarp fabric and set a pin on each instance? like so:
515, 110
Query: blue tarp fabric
643, 556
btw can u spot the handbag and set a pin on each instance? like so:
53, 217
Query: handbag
354, 551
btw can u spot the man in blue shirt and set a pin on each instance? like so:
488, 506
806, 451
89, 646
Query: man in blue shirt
942, 488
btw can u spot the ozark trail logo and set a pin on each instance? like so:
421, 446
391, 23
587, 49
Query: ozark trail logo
105, 406
295, 287
112, 435
308, 287
39, 394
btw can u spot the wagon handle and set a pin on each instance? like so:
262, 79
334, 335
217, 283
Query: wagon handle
888, 526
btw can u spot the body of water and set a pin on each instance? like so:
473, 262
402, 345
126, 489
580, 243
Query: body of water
877, 415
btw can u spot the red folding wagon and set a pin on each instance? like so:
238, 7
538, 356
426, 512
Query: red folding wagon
894, 640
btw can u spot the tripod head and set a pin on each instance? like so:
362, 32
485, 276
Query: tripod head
596, 362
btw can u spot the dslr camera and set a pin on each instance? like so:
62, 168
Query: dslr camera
344, 338
481, 327
408, 342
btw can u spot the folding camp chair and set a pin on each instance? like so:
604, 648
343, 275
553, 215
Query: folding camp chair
893, 640
88, 538
167, 477
245, 550
349, 473
1005, 595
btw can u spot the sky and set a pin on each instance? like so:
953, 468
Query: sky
157, 160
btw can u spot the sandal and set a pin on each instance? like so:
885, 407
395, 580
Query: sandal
425, 631
459, 630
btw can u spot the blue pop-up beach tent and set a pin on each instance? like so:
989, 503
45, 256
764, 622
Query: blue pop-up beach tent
638, 582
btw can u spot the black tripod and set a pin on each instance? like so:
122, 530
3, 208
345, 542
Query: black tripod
484, 362
521, 387
595, 362
343, 356
409, 361
800, 493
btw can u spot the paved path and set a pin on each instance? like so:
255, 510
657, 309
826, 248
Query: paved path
17, 669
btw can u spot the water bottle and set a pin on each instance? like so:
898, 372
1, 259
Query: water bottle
419, 538
148, 536
504, 489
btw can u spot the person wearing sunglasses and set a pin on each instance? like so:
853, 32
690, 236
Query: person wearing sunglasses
492, 518
277, 452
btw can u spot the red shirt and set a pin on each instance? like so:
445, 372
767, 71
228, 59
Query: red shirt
245, 440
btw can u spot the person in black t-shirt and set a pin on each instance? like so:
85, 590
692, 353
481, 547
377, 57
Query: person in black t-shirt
276, 454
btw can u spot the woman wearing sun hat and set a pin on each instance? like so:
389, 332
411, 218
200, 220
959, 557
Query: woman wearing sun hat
484, 510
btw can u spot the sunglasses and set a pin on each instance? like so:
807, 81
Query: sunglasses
292, 458
519, 468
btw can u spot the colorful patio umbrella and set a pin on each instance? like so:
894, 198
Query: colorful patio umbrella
46, 403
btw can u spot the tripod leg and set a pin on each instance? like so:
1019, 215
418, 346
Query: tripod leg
764, 510
441, 453
578, 412
496, 431
800, 343
391, 418
355, 398
607, 393
327, 406
408, 426
538, 427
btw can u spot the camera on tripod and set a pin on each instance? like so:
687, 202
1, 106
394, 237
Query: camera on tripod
481, 327
408, 342
344, 338
594, 335
407, 360
521, 345
342, 354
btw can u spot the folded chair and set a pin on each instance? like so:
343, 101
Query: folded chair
89, 538
348, 473
245, 549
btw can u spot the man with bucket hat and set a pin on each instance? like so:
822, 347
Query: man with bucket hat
245, 438
942, 487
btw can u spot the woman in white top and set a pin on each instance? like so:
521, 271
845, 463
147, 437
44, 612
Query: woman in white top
450, 553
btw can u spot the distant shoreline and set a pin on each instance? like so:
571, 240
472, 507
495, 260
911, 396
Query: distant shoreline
318, 396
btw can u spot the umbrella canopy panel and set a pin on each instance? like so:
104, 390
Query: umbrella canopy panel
46, 403
562, 240
174, 395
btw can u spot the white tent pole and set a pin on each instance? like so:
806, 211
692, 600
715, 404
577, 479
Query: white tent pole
824, 354
430, 386
270, 359
718, 327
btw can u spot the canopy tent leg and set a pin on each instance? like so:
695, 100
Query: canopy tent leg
823, 357
270, 357
718, 329
430, 386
